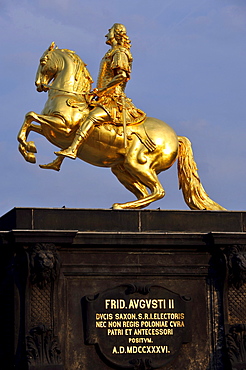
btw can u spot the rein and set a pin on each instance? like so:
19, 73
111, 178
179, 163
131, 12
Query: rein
69, 92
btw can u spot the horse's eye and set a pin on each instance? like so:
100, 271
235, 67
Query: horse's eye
43, 61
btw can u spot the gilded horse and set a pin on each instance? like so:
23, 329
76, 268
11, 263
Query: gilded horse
151, 147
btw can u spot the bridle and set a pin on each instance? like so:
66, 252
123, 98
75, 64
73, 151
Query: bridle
69, 92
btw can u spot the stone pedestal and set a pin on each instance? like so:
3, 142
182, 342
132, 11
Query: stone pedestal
103, 289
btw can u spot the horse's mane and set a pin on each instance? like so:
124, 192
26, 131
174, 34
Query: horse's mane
83, 79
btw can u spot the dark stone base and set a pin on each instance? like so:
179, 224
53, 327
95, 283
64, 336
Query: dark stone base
55, 262
47, 367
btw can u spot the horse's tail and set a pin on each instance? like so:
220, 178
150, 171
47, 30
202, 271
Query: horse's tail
194, 194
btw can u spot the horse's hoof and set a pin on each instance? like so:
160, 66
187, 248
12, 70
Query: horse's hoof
116, 206
31, 147
30, 157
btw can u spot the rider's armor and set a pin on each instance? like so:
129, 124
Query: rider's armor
111, 100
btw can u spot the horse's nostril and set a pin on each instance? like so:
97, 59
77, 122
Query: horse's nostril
39, 87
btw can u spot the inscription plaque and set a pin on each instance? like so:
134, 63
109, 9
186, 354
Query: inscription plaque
137, 326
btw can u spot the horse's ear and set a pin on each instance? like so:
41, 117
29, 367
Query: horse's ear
52, 46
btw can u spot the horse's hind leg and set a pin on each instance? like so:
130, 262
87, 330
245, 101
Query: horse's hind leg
149, 179
130, 183
144, 174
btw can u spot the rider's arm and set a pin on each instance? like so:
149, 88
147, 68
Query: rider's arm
119, 77
121, 68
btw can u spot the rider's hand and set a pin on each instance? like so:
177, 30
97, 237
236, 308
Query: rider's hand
95, 91
99, 92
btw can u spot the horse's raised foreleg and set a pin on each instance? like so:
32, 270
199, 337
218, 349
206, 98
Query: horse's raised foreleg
54, 122
24, 132
28, 148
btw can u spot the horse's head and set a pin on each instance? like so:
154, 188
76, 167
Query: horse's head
47, 68
74, 76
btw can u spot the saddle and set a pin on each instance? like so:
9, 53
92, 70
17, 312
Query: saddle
135, 129
141, 133
139, 130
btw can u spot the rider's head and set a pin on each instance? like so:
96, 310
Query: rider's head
118, 33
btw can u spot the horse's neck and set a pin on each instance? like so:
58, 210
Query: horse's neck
65, 79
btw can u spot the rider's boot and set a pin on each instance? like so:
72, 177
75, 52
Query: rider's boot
55, 165
80, 136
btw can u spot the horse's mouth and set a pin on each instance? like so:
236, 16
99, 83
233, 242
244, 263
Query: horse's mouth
41, 87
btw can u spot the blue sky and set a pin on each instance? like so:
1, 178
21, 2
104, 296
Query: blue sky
188, 70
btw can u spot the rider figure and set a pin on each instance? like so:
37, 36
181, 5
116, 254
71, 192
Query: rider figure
111, 100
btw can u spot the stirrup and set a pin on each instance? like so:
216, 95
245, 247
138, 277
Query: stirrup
70, 152
67, 153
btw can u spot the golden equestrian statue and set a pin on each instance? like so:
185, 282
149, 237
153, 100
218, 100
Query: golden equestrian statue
104, 128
